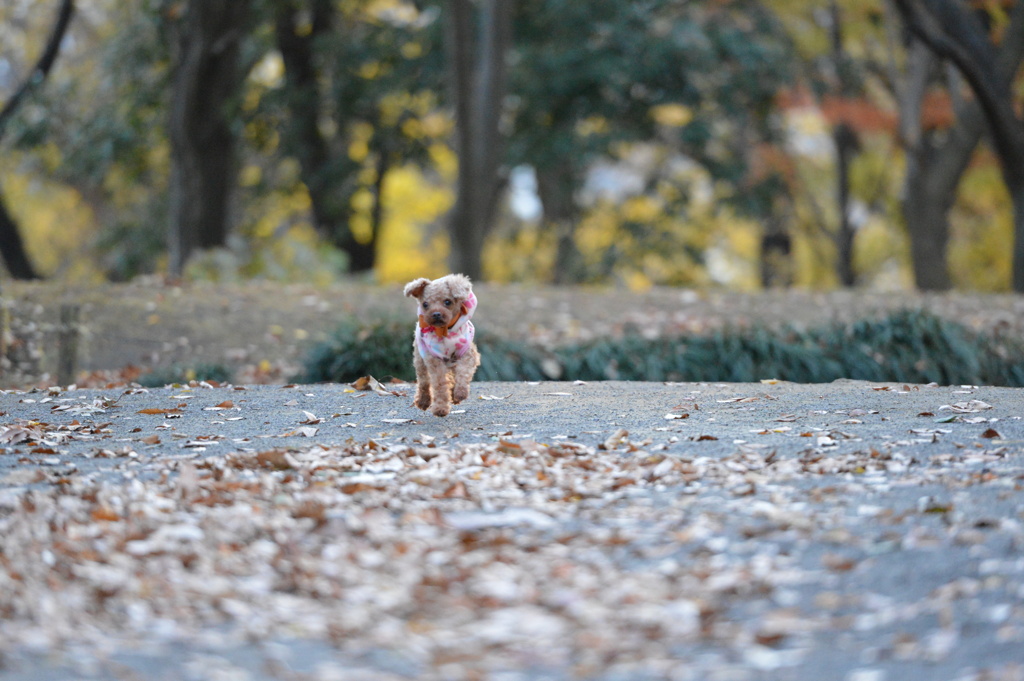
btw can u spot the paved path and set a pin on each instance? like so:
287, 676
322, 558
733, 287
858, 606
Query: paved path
548, 531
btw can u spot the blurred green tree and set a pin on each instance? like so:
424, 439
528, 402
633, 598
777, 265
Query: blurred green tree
587, 78
356, 82
835, 182
357, 95
102, 128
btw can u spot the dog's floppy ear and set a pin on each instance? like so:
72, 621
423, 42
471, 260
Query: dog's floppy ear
460, 285
414, 289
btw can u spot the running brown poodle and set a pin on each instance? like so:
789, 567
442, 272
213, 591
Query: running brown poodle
444, 354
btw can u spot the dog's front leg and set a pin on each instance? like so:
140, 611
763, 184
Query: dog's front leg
422, 400
464, 370
439, 388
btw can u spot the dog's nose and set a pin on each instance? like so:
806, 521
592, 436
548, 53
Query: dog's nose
436, 317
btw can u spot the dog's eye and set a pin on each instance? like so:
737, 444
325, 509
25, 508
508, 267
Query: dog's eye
447, 302
425, 305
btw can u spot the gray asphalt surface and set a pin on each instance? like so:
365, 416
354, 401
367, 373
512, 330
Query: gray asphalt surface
915, 495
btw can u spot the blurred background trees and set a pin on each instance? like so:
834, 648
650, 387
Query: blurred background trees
12, 246
736, 143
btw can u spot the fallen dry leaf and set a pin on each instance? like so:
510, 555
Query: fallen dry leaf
369, 383
275, 458
616, 438
104, 513
838, 563
456, 491
302, 431
357, 487
971, 407
13, 435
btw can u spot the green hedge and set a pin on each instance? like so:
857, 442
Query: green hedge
380, 350
179, 373
908, 346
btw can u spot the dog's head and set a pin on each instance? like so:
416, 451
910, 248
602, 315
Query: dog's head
443, 302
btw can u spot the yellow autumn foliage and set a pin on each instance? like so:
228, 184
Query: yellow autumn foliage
413, 241
57, 225
283, 208
672, 115
526, 254
642, 209
598, 231
981, 226
359, 142
593, 125
652, 246
275, 241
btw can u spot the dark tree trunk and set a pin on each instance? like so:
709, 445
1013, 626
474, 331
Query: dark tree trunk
952, 31
927, 218
926, 212
846, 149
776, 261
847, 145
206, 83
377, 212
936, 162
933, 172
1017, 198
929, 236
328, 179
555, 187
477, 42
12, 247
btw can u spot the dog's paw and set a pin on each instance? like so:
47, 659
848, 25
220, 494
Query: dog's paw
460, 393
440, 409
422, 400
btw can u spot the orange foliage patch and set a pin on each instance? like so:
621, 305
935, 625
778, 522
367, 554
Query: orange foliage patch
937, 110
860, 114
768, 159
794, 98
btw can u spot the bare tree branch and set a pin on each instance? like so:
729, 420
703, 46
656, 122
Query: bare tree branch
42, 68
953, 32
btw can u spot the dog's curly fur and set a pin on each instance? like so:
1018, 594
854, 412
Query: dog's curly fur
440, 381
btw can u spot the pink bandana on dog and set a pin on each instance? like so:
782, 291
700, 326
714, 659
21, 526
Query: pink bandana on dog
455, 343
